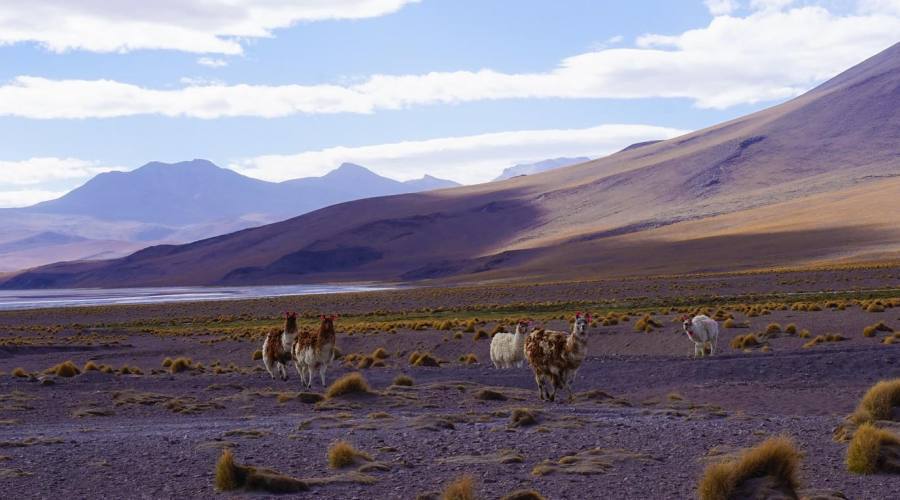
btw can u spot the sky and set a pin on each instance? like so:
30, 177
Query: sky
459, 89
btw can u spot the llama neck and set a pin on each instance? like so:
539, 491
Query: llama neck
576, 338
287, 339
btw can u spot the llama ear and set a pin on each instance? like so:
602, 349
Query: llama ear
321, 316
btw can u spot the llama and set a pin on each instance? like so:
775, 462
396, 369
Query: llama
556, 357
277, 347
315, 351
508, 349
700, 330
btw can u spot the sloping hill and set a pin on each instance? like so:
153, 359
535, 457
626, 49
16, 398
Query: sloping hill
641, 210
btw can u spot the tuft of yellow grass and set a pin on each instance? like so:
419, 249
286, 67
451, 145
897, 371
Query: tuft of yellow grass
462, 488
351, 383
167, 362
777, 457
468, 359
179, 365
19, 372
773, 328
380, 353
791, 329
744, 341
90, 366
864, 452
523, 495
230, 476
878, 402
64, 369
257, 355
342, 454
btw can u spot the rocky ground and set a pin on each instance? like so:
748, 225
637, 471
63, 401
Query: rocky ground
646, 421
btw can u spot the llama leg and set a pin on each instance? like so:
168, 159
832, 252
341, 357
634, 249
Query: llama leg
540, 383
284, 371
322, 372
309, 374
269, 367
713, 345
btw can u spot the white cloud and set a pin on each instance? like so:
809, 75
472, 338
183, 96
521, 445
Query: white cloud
199, 26
723, 64
721, 7
888, 7
26, 197
466, 159
34, 171
212, 62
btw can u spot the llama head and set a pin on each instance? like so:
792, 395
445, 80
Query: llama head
328, 322
523, 325
687, 323
290, 322
581, 322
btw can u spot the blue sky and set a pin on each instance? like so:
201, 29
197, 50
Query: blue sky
457, 88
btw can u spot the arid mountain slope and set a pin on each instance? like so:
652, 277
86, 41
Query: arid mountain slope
676, 196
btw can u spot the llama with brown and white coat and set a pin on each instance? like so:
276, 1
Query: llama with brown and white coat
315, 351
556, 357
277, 347
701, 329
508, 349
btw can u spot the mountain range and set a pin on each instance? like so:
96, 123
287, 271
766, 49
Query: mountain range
116, 213
538, 167
813, 180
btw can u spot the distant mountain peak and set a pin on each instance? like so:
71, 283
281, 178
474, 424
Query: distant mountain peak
538, 167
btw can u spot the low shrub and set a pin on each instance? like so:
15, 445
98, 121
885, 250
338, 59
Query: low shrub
462, 488
342, 454
864, 455
403, 380
351, 383
776, 457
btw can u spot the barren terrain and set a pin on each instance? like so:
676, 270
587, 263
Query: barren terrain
646, 421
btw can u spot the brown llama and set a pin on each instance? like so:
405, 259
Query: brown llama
315, 351
277, 347
556, 357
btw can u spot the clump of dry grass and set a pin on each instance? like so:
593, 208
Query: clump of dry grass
804, 334
875, 308
231, 476
523, 417
351, 383
365, 362
773, 328
731, 323
468, 359
821, 339
646, 324
744, 341
462, 488
90, 366
19, 372
481, 334
64, 369
490, 395
342, 454
380, 353
879, 402
790, 329
775, 457
403, 380
872, 330
167, 362
523, 495
179, 365
257, 355
865, 454
423, 359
